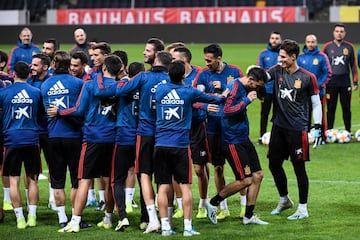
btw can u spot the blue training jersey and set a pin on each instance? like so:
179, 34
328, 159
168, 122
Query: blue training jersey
146, 83
235, 123
62, 90
20, 105
99, 113
35, 82
317, 63
127, 109
268, 58
206, 80
198, 112
22, 52
173, 113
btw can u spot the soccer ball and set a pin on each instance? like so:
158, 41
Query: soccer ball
357, 135
343, 136
331, 135
311, 137
265, 139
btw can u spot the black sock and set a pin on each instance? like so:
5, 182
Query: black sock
249, 211
215, 201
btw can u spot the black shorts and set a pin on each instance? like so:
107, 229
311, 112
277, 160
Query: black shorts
198, 144
123, 160
215, 146
145, 154
242, 158
14, 157
285, 143
44, 146
172, 162
95, 160
63, 153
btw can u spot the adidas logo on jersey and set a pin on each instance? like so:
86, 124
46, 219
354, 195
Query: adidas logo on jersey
57, 88
22, 97
172, 98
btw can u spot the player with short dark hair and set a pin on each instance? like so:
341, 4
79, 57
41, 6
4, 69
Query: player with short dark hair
172, 139
19, 105
153, 45
40, 65
237, 147
5, 80
341, 54
146, 83
78, 63
98, 140
268, 58
214, 79
295, 89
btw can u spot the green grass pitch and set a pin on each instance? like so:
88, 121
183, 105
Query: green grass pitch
334, 173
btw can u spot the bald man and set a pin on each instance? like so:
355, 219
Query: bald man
82, 44
316, 62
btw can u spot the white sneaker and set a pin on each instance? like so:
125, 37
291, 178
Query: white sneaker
153, 227
298, 215
282, 206
211, 213
189, 233
167, 232
254, 220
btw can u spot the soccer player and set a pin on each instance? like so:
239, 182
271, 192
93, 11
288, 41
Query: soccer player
127, 109
172, 139
50, 46
146, 83
5, 80
82, 44
295, 89
19, 104
341, 55
237, 147
64, 135
40, 65
100, 51
268, 58
98, 141
316, 62
78, 64
214, 79
152, 46
198, 142
24, 50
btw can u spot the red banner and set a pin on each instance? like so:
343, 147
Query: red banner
177, 15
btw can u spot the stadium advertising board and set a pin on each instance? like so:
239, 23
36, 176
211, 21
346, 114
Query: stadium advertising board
350, 14
177, 15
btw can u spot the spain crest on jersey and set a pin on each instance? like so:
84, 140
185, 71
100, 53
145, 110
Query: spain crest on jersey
315, 61
229, 79
297, 84
346, 51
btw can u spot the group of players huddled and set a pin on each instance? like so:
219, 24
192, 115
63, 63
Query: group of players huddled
95, 116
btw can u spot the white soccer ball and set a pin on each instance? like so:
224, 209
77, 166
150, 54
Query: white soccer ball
311, 137
265, 139
343, 136
357, 135
331, 135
